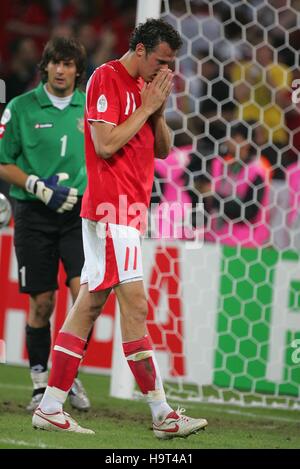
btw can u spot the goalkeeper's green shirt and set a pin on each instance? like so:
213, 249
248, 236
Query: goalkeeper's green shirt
43, 140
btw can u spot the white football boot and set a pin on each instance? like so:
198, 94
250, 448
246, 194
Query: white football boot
39, 381
57, 422
78, 396
35, 401
177, 425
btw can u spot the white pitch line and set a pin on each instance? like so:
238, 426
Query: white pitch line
250, 414
9, 441
15, 386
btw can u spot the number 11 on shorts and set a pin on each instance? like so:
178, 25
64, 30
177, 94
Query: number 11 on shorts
133, 252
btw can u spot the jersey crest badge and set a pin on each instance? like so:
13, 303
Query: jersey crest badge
2, 130
102, 103
6, 116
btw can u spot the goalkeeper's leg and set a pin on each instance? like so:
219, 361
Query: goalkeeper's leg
38, 342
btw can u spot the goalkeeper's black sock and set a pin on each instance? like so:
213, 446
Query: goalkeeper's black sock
38, 391
38, 342
88, 339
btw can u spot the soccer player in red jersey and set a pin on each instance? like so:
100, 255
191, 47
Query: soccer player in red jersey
125, 130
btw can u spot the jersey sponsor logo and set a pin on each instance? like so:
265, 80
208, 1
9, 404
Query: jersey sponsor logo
80, 124
6, 116
43, 126
2, 130
102, 103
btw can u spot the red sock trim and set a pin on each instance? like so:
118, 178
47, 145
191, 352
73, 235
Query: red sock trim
136, 346
143, 370
71, 342
65, 366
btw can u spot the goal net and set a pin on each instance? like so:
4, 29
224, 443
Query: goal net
224, 316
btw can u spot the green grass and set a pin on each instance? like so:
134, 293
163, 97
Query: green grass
126, 424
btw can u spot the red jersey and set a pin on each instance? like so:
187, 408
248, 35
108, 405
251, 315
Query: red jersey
126, 178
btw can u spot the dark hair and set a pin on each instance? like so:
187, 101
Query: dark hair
62, 48
153, 32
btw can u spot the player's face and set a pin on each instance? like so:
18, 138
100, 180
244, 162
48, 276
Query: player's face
61, 77
162, 57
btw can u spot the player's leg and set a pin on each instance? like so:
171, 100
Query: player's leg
37, 256
138, 348
66, 356
77, 395
75, 289
136, 343
70, 242
126, 245
38, 342
71, 340
140, 357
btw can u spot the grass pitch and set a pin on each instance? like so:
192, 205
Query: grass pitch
123, 424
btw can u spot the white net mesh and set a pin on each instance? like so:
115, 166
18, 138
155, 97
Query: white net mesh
237, 136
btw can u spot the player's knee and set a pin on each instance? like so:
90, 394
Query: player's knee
42, 308
95, 310
96, 303
139, 311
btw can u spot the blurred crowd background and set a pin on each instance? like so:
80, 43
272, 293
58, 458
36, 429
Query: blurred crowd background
26, 25
237, 67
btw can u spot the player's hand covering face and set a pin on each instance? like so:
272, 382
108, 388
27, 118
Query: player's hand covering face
155, 94
161, 58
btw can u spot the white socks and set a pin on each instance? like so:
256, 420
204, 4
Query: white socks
159, 410
53, 400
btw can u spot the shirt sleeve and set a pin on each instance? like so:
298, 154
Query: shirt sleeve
10, 141
102, 97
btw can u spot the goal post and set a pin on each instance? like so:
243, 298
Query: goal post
146, 9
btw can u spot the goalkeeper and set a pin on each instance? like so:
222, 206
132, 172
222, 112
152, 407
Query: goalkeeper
42, 157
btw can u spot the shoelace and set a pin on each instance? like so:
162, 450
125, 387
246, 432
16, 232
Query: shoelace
179, 412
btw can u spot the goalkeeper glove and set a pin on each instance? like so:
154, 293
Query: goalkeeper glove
58, 198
